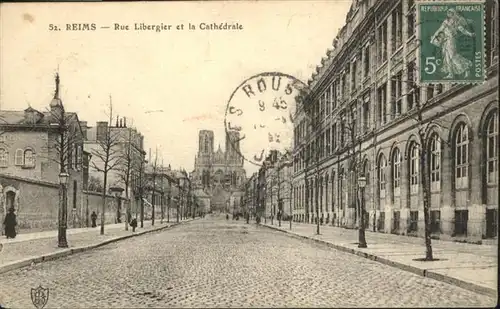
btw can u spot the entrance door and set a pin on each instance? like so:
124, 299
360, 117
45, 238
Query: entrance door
10, 198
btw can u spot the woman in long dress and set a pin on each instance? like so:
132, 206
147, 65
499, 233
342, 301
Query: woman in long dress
10, 223
445, 37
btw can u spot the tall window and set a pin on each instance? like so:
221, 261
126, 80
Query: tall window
334, 187
366, 112
396, 172
18, 160
397, 27
342, 129
334, 136
414, 168
382, 103
333, 93
344, 86
353, 127
435, 160
382, 43
366, 61
328, 101
413, 90
326, 192
4, 158
461, 156
410, 18
396, 89
492, 149
382, 163
29, 158
354, 74
328, 140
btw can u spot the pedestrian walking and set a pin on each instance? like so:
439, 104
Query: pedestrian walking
93, 217
10, 224
133, 224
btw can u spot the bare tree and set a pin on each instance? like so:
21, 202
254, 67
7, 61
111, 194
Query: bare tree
94, 184
125, 170
109, 155
154, 174
139, 185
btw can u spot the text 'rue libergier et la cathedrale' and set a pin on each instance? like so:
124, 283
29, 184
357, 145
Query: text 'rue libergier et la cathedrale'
142, 26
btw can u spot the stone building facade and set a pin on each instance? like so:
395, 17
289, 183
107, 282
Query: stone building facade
220, 173
30, 164
364, 100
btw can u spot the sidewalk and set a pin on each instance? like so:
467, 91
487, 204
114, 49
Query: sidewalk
37, 247
473, 267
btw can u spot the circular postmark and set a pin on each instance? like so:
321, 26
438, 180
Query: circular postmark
260, 115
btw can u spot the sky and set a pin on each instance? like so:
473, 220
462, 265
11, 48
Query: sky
168, 84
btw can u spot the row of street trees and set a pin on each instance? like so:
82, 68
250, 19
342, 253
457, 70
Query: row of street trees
357, 141
113, 152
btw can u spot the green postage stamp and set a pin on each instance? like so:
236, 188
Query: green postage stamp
451, 41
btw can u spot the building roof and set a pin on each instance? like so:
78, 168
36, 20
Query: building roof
17, 118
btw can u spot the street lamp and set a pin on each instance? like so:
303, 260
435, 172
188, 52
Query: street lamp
361, 234
63, 208
181, 192
117, 191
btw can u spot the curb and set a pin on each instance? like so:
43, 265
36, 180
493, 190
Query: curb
67, 252
418, 271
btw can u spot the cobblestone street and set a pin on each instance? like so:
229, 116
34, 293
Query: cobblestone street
212, 262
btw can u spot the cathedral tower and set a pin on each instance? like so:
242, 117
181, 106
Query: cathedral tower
206, 142
233, 145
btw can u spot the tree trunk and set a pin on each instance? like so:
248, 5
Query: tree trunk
142, 212
103, 195
424, 180
126, 206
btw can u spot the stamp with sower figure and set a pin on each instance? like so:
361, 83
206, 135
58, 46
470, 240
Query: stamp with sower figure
451, 36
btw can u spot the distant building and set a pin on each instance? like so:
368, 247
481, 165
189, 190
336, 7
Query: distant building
128, 147
219, 173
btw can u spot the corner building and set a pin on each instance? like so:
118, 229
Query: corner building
364, 98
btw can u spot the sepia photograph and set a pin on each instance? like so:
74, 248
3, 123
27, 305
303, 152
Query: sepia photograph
249, 154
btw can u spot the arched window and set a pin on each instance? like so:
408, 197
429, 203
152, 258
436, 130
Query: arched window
396, 171
414, 167
382, 164
4, 158
18, 160
461, 155
492, 149
435, 162
29, 158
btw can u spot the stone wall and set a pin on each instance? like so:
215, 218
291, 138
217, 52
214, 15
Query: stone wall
36, 202
37, 205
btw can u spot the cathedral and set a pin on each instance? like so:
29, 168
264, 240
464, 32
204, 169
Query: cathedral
220, 173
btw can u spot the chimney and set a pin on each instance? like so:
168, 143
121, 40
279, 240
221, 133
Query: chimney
121, 123
125, 122
101, 130
83, 125
117, 121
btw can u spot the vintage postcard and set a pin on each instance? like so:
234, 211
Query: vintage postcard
251, 154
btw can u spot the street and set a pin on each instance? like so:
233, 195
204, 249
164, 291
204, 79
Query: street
212, 262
